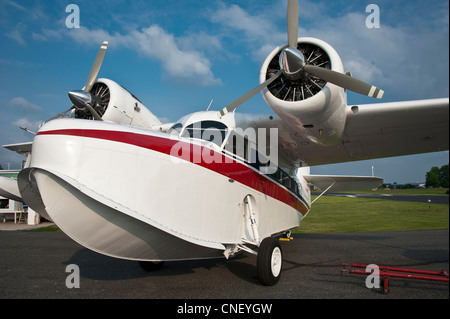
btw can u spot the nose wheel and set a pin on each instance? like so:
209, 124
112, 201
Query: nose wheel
269, 261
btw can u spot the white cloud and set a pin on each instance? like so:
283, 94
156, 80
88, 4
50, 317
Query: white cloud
364, 70
29, 124
237, 18
182, 65
17, 33
47, 34
19, 64
23, 104
260, 32
210, 45
357, 46
408, 60
156, 43
16, 6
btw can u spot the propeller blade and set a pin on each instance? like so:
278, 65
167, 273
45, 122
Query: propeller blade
232, 106
95, 115
344, 81
292, 23
96, 67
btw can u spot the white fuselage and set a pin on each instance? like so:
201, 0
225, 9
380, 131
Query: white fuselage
129, 192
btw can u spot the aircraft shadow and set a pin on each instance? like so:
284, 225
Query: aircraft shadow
100, 267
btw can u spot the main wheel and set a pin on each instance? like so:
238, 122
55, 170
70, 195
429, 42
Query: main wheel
269, 261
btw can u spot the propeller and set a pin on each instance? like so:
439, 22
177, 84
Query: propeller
293, 67
292, 62
235, 104
83, 99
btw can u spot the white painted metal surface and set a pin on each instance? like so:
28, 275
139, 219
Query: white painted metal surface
176, 196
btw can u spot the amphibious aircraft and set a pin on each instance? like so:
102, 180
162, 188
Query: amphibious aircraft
216, 183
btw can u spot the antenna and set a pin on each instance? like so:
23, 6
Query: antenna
209, 104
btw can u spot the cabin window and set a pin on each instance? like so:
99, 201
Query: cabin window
241, 148
211, 131
285, 179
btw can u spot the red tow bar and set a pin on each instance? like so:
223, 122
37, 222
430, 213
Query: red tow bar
385, 272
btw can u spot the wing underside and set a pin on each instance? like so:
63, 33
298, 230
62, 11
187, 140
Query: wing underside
20, 148
372, 131
343, 183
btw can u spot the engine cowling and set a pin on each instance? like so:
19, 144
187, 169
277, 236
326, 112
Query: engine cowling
116, 104
310, 106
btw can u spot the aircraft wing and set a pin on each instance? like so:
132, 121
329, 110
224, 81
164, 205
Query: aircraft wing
9, 188
371, 131
20, 148
343, 183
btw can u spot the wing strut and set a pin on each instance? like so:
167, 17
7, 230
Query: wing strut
323, 193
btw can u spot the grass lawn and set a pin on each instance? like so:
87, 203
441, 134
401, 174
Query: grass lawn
49, 229
412, 191
342, 214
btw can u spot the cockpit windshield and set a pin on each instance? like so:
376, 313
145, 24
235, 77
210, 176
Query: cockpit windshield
175, 129
211, 131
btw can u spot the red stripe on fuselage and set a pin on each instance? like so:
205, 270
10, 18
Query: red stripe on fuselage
220, 164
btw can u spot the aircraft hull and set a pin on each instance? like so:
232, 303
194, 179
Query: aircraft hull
130, 193
108, 231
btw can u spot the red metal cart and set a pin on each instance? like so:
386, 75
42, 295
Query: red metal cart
386, 272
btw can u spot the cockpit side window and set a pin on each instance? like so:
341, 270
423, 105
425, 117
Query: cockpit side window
211, 131
175, 129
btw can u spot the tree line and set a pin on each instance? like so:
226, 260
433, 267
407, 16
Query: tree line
437, 177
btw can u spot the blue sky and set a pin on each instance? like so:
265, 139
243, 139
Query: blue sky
178, 55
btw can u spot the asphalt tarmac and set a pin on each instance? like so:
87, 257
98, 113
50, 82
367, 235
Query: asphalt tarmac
34, 265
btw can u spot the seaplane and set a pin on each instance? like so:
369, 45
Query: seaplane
214, 184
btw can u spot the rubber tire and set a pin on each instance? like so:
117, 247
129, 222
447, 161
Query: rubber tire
264, 265
151, 265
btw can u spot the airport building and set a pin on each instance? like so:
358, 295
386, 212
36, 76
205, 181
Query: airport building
13, 210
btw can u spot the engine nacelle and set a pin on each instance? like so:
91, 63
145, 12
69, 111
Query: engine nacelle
116, 104
310, 106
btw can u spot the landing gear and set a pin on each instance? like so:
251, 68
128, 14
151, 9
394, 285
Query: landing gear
151, 265
269, 261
